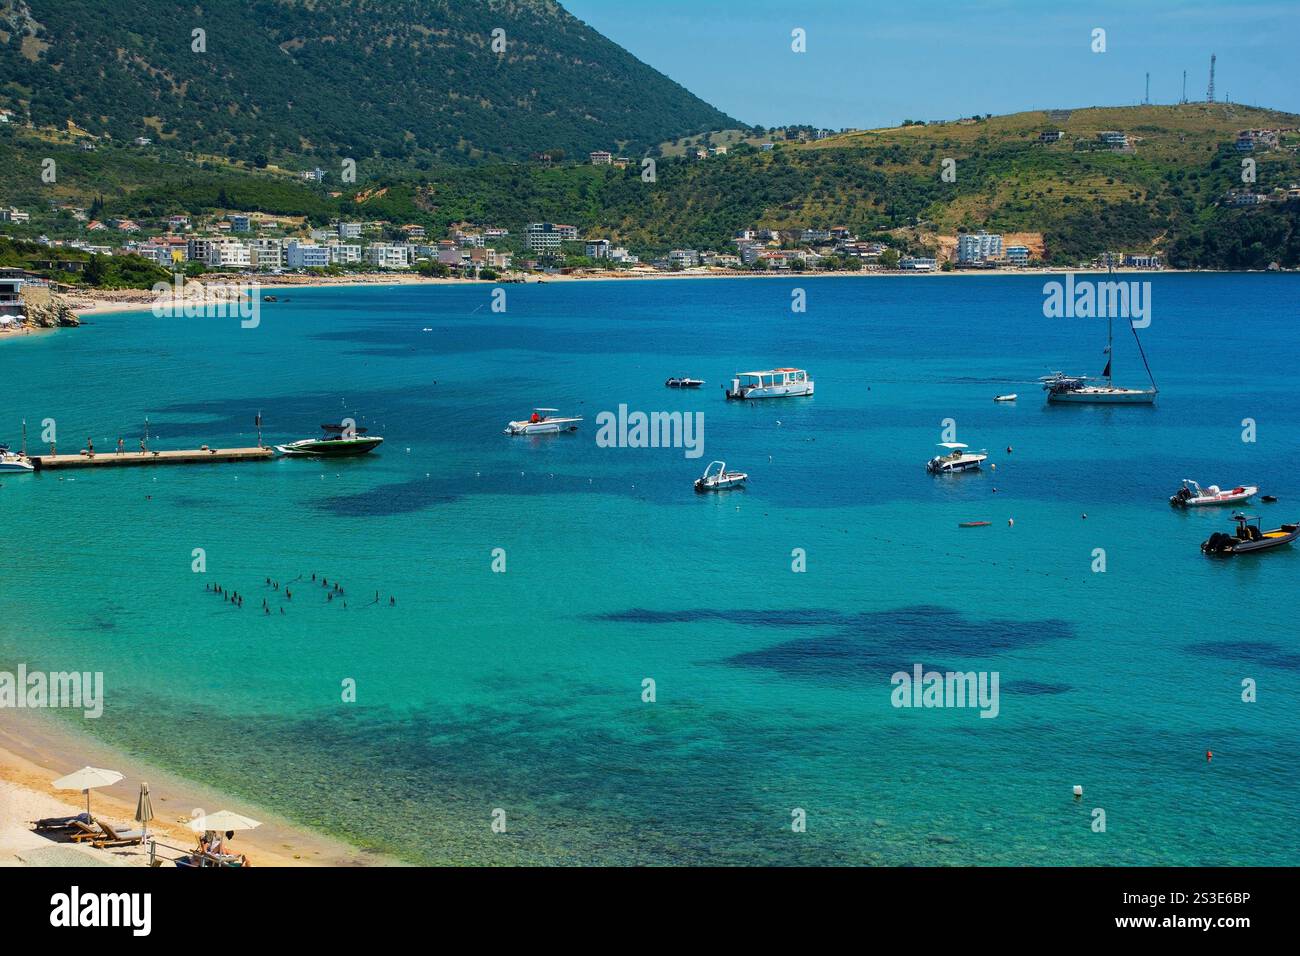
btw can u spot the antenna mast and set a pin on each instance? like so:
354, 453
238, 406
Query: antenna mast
1147, 100
1209, 94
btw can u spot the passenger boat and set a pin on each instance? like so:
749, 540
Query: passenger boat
957, 459
774, 383
1248, 538
721, 479
1192, 495
684, 382
543, 421
1006, 398
338, 441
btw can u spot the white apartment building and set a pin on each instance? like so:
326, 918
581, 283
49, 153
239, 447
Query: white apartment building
547, 236
978, 247
388, 255
266, 253
228, 254
685, 258
305, 255
598, 248
344, 253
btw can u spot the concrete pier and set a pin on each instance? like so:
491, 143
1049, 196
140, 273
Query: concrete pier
126, 459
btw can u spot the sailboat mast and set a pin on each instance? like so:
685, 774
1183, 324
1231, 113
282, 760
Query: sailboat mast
1110, 329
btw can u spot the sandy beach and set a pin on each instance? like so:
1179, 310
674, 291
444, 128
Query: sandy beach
35, 750
89, 302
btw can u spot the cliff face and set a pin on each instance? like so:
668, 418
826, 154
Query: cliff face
45, 310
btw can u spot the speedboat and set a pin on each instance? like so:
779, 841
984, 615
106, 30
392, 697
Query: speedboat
958, 459
1192, 495
1006, 398
1248, 537
338, 441
774, 383
543, 421
14, 463
684, 382
721, 479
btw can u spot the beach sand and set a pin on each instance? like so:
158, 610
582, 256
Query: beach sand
35, 750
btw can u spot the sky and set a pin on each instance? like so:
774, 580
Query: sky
870, 63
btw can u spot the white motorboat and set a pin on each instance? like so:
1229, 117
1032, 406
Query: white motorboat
1006, 398
684, 382
9, 462
774, 383
1192, 495
721, 479
543, 421
959, 458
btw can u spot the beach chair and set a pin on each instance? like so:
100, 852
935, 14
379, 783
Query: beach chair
60, 823
80, 831
117, 837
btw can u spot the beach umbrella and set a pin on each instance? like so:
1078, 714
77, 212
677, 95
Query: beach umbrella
223, 820
87, 779
144, 809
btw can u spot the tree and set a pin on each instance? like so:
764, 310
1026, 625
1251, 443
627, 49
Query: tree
889, 258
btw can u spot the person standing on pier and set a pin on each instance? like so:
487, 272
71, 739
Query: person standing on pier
90, 447
121, 444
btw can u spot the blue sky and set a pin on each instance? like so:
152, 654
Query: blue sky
871, 63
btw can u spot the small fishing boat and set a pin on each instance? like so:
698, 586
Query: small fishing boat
1249, 538
338, 441
973, 524
774, 383
1006, 398
684, 382
958, 459
721, 479
1192, 495
543, 421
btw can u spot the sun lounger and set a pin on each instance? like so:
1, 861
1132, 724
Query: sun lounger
117, 837
80, 831
61, 823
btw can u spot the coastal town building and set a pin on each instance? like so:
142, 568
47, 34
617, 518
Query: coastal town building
978, 247
13, 214
683, 258
388, 255
917, 264
305, 255
1018, 255
601, 158
546, 237
598, 248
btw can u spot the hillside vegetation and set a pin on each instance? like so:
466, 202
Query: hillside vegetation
1166, 194
399, 79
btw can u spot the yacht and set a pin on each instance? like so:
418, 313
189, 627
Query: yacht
1081, 389
774, 383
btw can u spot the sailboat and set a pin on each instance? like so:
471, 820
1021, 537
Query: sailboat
1082, 389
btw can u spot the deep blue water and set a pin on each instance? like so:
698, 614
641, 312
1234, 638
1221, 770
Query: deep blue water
523, 690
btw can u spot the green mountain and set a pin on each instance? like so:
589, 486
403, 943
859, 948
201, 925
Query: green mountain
403, 80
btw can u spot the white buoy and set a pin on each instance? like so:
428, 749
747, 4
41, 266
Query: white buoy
1078, 790
994, 467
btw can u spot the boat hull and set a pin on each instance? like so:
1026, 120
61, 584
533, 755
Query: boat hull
543, 428
940, 466
793, 390
329, 448
1103, 396
1210, 501
1267, 542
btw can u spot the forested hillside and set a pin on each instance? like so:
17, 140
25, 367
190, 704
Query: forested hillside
400, 79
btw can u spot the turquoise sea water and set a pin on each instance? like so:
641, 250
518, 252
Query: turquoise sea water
522, 691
